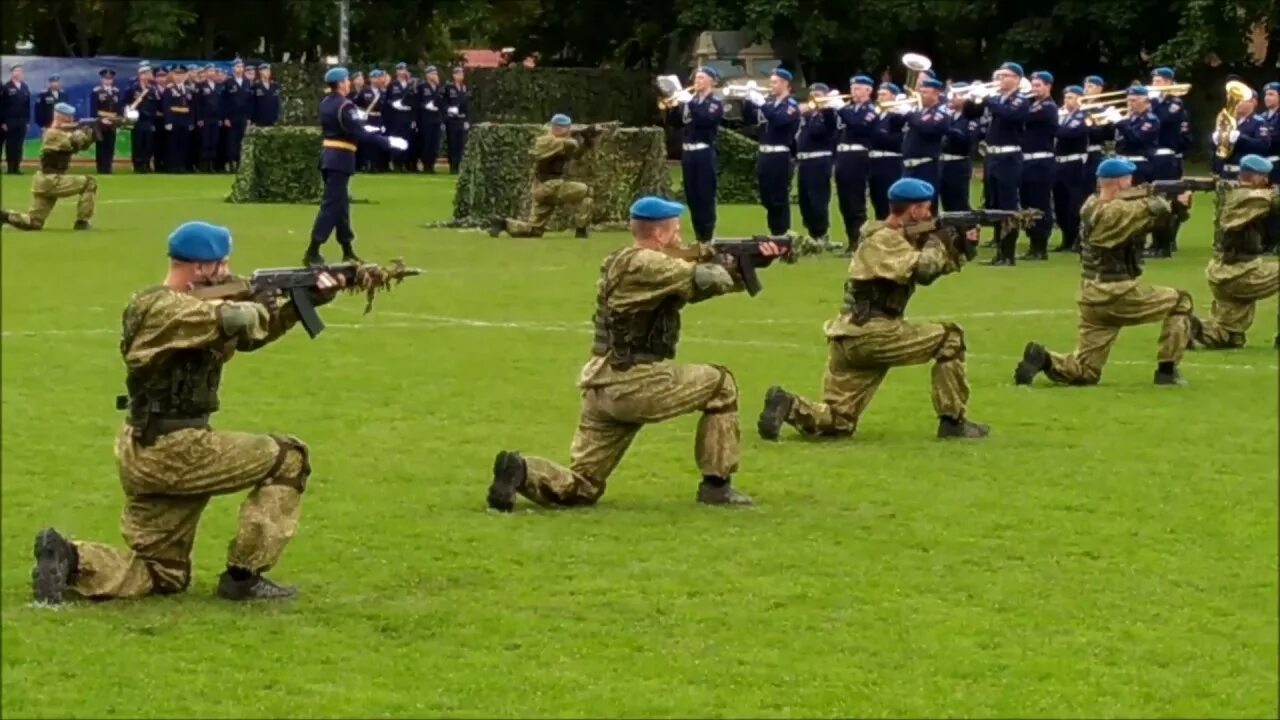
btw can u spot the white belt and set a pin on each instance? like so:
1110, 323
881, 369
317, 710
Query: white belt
848, 147
1165, 151
814, 154
1002, 149
1135, 158
695, 146
774, 149
916, 162
1036, 155
1072, 158
1231, 168
883, 154
1095, 148
953, 158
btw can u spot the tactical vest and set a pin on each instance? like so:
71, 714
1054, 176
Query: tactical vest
55, 162
178, 389
551, 168
1242, 242
867, 299
637, 337
1108, 264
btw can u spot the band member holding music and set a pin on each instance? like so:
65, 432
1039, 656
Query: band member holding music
1252, 136
957, 151
1099, 134
699, 113
814, 142
922, 141
1038, 163
1070, 184
886, 147
1003, 162
857, 124
1166, 163
778, 118
1137, 133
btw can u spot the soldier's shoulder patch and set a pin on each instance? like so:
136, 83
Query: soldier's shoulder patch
1074, 123
871, 116
791, 109
973, 124
1264, 131
1017, 101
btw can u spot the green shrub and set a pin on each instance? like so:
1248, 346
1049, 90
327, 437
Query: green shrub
279, 165
497, 173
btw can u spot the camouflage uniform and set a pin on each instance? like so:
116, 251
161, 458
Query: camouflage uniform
630, 381
171, 462
1110, 296
1237, 274
51, 182
551, 155
869, 337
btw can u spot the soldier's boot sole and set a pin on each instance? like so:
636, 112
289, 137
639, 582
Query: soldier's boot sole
254, 588
1168, 378
777, 407
722, 495
961, 429
509, 475
1035, 358
55, 559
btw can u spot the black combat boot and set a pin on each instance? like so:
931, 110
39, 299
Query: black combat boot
313, 258
496, 226
581, 233
349, 254
777, 407
1167, 374
56, 562
81, 225
238, 584
719, 491
950, 429
509, 475
1035, 360
4, 217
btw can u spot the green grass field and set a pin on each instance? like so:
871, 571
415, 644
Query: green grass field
1108, 551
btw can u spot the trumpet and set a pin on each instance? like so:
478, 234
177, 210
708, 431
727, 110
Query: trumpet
818, 102
1096, 117
1024, 87
670, 101
1177, 90
741, 90
909, 102
1237, 92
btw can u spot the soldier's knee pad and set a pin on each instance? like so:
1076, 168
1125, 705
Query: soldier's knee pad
725, 397
292, 465
952, 347
1184, 305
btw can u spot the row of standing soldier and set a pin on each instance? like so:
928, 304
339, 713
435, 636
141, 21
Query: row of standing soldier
421, 112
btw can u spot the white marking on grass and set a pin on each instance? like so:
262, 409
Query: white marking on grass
173, 198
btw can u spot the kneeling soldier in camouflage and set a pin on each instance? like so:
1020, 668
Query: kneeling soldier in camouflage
1237, 274
171, 462
61, 140
551, 154
1114, 222
630, 381
869, 336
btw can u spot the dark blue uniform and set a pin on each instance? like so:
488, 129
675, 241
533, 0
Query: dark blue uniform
700, 118
1255, 139
104, 103
400, 123
1272, 120
779, 120
209, 117
1038, 166
176, 109
341, 133
1071, 186
957, 160
44, 106
1002, 163
1099, 136
237, 99
1166, 163
429, 102
143, 133
194, 137
815, 143
1136, 138
886, 161
857, 127
15, 112
457, 106
922, 145
370, 157
266, 104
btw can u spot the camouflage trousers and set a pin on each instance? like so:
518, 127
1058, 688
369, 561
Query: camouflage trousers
547, 196
857, 365
1100, 325
45, 191
613, 414
1234, 304
167, 487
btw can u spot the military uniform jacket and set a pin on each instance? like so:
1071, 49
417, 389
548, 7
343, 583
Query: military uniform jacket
1255, 138
341, 132
429, 104
962, 134
236, 99
857, 124
104, 102
888, 133
457, 97
1111, 229
1137, 135
1073, 135
266, 104
1242, 216
15, 103
817, 132
1040, 127
176, 107
1175, 125
925, 130
700, 118
402, 91
44, 106
366, 99
58, 144
148, 108
208, 103
1008, 119
779, 120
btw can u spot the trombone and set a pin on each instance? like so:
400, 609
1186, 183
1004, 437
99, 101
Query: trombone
1176, 90
909, 99
670, 101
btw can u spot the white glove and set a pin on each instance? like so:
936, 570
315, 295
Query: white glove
752, 86
1153, 94
397, 104
978, 92
431, 106
1235, 135
902, 109
398, 143
1112, 115
834, 102
359, 115
684, 96
452, 111
373, 129
130, 114
1215, 137
755, 97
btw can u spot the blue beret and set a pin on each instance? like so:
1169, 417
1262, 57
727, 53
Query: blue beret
862, 80
1012, 67
457, 69
199, 242
106, 72
561, 119
1136, 91
819, 88
402, 66
144, 68
931, 73
910, 190
54, 77
161, 71
652, 207
1113, 168
1271, 86
355, 74
934, 84
193, 68
65, 109
783, 73
1073, 90
1255, 164
264, 66
15, 66
709, 72
1095, 80
209, 67
376, 73
1043, 76
238, 61
1164, 72
336, 75
891, 88
432, 68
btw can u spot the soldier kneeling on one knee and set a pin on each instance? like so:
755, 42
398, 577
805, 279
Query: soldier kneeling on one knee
62, 139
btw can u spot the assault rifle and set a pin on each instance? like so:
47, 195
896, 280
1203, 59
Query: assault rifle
589, 134
961, 221
297, 283
747, 253
1173, 188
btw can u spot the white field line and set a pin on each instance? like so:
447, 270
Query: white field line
418, 321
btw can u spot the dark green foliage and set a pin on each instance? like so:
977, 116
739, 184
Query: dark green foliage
497, 173
301, 88
736, 176
279, 165
588, 95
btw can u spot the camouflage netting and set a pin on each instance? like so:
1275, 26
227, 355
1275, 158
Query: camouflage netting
497, 173
279, 165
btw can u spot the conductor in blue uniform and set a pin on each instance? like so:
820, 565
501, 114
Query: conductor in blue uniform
342, 127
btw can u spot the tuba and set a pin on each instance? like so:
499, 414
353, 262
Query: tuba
916, 64
1237, 92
